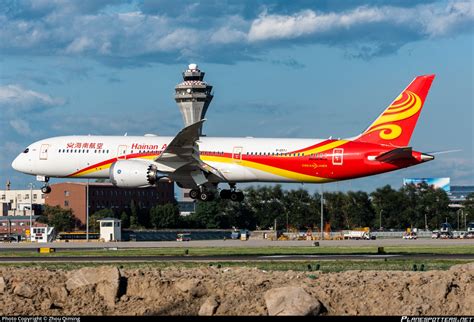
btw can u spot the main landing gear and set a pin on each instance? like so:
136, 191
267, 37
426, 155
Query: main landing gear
204, 194
232, 194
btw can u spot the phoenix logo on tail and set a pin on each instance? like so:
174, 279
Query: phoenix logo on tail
396, 124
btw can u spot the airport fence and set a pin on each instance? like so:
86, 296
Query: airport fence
171, 235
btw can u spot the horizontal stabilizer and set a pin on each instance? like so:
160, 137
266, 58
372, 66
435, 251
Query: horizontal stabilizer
395, 154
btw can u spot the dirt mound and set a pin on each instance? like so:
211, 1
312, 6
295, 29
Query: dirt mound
234, 291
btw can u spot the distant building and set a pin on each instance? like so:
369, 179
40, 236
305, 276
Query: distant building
186, 207
459, 193
72, 195
17, 224
437, 183
17, 202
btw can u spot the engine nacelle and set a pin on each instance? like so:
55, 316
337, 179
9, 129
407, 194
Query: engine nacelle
134, 174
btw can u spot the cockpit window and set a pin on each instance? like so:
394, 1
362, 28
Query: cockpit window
26, 150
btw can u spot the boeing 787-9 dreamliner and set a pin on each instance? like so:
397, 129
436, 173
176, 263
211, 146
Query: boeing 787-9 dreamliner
200, 163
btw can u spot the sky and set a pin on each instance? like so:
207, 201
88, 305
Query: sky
309, 69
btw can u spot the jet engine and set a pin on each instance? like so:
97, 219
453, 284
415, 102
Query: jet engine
135, 174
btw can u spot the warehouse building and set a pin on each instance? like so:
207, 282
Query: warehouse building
73, 195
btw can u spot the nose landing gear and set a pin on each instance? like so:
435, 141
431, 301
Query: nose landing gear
46, 189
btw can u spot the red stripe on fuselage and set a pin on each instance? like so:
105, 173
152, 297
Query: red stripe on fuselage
102, 163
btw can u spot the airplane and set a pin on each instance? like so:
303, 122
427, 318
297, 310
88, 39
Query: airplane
201, 163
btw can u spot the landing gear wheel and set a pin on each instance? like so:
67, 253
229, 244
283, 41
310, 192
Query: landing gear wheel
194, 193
206, 196
234, 196
237, 196
46, 189
225, 194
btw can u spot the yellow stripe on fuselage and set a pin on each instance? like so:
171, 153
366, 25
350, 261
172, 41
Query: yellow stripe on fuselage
269, 169
325, 147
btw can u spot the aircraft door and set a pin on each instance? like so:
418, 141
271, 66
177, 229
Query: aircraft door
337, 156
122, 152
237, 154
44, 152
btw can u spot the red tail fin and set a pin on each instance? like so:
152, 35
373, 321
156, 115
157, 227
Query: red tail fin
396, 124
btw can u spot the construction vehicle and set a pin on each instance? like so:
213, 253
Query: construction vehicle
446, 231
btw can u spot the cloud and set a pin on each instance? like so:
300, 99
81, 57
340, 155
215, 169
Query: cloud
17, 99
138, 33
19, 105
21, 126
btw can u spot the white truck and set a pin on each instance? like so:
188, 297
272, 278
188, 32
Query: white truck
357, 234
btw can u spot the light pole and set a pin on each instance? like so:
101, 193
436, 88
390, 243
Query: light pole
87, 211
459, 210
31, 211
322, 210
380, 219
465, 220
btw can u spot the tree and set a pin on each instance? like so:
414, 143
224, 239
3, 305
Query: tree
211, 215
267, 205
337, 210
133, 216
469, 206
165, 216
300, 207
125, 218
388, 204
240, 215
61, 219
359, 210
96, 216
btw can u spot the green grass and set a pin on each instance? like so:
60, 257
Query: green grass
236, 251
325, 266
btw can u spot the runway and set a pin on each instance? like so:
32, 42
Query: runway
231, 258
239, 243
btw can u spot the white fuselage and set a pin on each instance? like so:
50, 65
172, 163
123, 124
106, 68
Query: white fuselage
69, 156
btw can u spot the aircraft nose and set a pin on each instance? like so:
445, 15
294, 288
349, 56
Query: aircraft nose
16, 164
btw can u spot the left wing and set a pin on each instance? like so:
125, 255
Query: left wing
181, 160
181, 148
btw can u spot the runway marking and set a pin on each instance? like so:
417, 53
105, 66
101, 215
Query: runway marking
333, 255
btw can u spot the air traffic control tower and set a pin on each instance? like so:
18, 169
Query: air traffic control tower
193, 95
